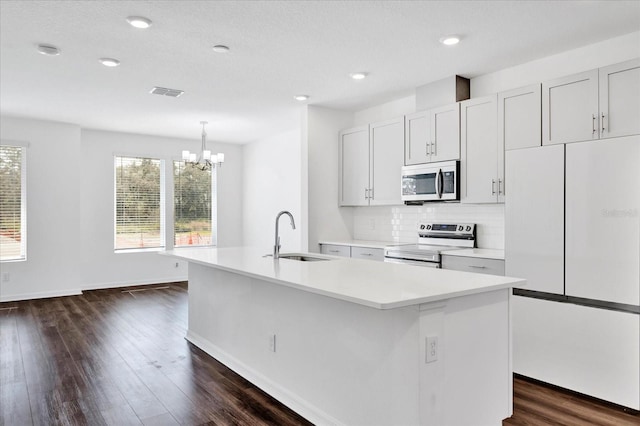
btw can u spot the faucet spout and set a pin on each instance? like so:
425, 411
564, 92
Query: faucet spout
276, 246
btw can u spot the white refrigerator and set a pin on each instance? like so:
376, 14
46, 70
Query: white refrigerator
602, 216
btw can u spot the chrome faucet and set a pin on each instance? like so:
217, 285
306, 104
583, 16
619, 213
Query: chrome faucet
276, 247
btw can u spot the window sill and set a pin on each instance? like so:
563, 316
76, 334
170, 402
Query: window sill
140, 250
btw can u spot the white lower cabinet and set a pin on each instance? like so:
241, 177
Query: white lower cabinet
478, 265
588, 350
335, 250
367, 253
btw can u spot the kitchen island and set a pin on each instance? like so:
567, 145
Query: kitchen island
348, 341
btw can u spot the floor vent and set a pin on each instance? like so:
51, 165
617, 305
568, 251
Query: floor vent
173, 93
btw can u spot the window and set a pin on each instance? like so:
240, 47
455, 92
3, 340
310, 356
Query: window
192, 191
139, 203
13, 217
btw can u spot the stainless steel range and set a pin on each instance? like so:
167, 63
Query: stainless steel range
433, 238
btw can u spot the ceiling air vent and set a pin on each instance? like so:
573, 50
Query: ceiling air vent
166, 92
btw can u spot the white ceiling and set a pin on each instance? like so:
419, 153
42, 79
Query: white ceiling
278, 49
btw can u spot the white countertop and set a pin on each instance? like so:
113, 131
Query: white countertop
361, 243
476, 252
375, 284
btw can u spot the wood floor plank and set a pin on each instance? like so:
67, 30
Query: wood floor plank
118, 357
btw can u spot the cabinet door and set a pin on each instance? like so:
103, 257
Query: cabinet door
479, 150
417, 135
387, 158
570, 108
367, 253
445, 133
620, 99
534, 217
519, 117
602, 220
354, 166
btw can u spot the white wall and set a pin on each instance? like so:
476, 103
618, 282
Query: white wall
386, 111
325, 220
596, 55
70, 210
271, 183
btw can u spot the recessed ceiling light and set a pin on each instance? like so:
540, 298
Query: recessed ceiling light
139, 22
301, 97
109, 62
219, 48
358, 75
49, 50
450, 40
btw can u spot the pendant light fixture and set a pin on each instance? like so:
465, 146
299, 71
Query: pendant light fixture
205, 161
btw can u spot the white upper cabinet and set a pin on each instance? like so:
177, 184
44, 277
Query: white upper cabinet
595, 104
371, 159
354, 166
620, 99
519, 117
433, 135
418, 138
534, 217
482, 157
387, 158
570, 108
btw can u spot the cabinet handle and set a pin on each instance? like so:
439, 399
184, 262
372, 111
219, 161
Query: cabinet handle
366, 254
493, 187
428, 150
500, 191
366, 194
593, 124
334, 251
602, 123
433, 148
477, 267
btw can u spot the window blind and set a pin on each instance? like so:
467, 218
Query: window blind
12, 203
193, 196
139, 203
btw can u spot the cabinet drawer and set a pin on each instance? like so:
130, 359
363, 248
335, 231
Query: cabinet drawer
473, 264
335, 250
367, 253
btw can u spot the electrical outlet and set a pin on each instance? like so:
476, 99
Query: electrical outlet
431, 348
6, 277
272, 342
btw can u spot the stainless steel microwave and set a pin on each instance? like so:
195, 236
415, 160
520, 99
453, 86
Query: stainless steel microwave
431, 182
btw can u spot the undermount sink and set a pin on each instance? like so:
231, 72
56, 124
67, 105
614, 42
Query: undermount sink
302, 257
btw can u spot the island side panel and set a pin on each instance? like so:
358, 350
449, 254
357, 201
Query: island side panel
334, 361
470, 383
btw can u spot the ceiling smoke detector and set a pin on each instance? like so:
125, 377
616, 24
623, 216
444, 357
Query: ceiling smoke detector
173, 93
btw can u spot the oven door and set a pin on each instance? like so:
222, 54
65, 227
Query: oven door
431, 182
412, 262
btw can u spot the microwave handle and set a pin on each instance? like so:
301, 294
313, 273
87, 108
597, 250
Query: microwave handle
439, 183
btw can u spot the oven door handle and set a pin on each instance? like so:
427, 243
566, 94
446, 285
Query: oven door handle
439, 183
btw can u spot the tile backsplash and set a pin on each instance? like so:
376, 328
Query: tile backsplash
400, 223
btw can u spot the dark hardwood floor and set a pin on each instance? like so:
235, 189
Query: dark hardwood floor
119, 357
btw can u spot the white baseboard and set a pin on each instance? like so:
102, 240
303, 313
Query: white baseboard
77, 291
118, 284
41, 295
294, 402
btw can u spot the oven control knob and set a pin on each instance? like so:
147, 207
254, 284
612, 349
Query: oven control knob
428, 226
460, 228
421, 226
468, 228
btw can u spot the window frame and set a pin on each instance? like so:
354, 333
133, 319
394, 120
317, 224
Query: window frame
163, 206
24, 146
